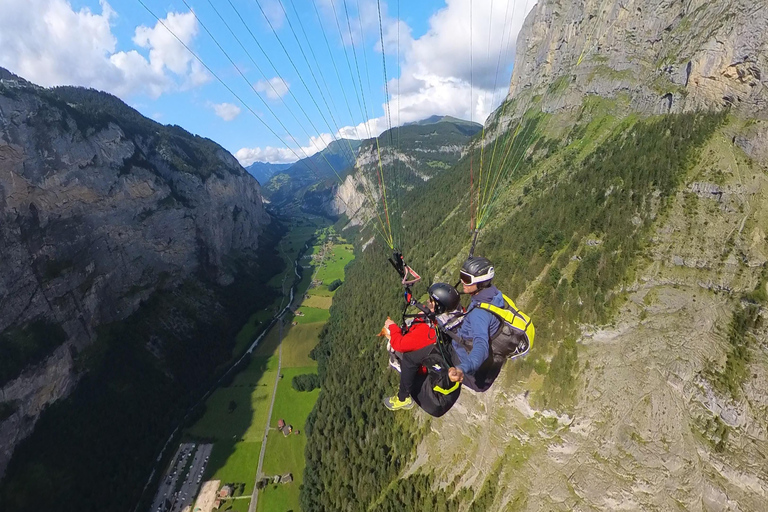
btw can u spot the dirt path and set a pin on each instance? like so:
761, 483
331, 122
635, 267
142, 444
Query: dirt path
255, 496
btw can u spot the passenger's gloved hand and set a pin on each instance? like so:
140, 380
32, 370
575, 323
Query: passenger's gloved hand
455, 375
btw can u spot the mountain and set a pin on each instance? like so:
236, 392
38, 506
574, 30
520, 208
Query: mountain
416, 151
409, 155
131, 251
444, 119
324, 166
262, 171
628, 221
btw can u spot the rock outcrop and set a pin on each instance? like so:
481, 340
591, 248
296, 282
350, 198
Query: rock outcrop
99, 208
402, 158
660, 56
649, 428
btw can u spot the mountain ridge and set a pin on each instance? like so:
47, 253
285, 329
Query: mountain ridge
106, 212
643, 389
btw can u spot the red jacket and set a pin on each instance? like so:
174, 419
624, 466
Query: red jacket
419, 336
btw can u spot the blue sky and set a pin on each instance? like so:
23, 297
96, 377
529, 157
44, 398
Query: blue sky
290, 103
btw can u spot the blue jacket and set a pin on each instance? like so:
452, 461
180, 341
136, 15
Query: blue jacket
478, 326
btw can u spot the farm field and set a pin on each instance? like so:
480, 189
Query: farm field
285, 454
236, 414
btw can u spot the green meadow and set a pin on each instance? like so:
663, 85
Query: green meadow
285, 454
235, 415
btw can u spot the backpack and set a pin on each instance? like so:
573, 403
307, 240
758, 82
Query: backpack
513, 339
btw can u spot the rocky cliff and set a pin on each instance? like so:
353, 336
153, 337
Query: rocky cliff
100, 208
668, 405
405, 156
659, 55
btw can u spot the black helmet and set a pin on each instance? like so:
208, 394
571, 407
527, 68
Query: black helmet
445, 296
477, 270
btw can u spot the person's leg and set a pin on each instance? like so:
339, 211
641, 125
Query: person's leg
394, 358
409, 367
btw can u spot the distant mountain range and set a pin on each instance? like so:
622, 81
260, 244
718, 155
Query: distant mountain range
334, 160
262, 171
442, 119
428, 146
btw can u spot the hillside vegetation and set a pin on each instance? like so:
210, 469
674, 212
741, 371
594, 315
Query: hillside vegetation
566, 236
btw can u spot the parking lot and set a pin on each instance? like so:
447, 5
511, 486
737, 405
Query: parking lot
168, 498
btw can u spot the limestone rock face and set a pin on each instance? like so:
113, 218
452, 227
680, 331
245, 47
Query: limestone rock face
99, 207
661, 55
648, 429
422, 151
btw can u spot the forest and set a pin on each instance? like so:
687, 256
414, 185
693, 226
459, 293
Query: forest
611, 196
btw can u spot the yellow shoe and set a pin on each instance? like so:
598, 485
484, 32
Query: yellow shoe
393, 403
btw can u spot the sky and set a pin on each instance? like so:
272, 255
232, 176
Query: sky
273, 80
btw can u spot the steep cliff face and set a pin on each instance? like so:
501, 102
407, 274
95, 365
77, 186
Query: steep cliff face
659, 55
100, 208
667, 405
632, 227
405, 156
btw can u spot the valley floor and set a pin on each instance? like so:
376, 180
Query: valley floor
241, 416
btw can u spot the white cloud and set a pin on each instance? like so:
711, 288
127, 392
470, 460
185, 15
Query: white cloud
439, 74
49, 43
275, 88
445, 74
274, 155
226, 111
273, 10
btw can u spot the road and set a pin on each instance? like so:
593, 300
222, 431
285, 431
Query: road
255, 495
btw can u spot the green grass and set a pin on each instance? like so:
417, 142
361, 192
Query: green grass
316, 301
297, 344
250, 330
237, 435
312, 315
234, 462
331, 268
251, 391
289, 248
334, 263
285, 454
279, 498
248, 419
306, 280
291, 405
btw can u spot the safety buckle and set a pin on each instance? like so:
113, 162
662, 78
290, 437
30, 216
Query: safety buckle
409, 270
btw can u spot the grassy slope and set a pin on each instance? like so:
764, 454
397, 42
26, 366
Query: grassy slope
286, 454
669, 333
299, 340
312, 315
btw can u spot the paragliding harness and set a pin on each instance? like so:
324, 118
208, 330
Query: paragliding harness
432, 389
513, 339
